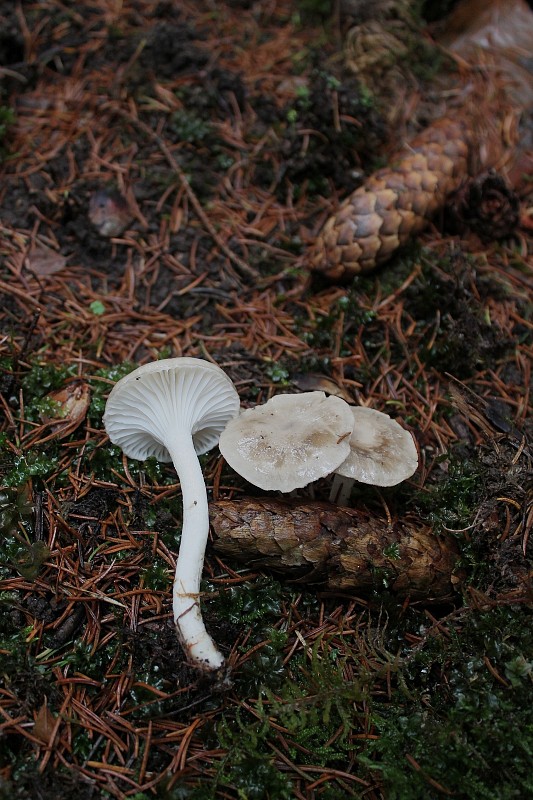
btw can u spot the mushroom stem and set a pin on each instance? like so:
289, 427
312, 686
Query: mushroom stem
197, 643
341, 489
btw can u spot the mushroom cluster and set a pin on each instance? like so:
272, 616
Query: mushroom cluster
294, 439
178, 408
290, 441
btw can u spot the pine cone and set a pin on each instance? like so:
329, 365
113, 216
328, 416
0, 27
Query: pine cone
342, 548
395, 202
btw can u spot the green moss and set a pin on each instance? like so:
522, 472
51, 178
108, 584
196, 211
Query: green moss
315, 8
13, 646
21, 673
450, 501
31, 464
255, 776
189, 127
315, 705
44, 377
44, 407
259, 605
331, 157
442, 296
40, 379
354, 316
15, 508
278, 374
468, 732
265, 666
157, 575
317, 700
252, 602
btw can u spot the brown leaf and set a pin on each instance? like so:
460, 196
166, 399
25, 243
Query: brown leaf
314, 382
43, 260
44, 724
72, 403
30, 564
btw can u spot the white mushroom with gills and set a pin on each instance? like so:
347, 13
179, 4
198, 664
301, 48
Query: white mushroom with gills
175, 410
382, 453
290, 441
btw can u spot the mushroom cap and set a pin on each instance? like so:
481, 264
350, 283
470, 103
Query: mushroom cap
145, 406
289, 441
381, 451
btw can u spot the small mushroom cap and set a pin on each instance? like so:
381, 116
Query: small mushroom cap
145, 406
381, 451
289, 441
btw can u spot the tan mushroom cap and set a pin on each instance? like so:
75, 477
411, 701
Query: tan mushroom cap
381, 451
290, 441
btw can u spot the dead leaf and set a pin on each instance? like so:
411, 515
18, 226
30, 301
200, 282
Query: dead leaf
43, 260
30, 564
44, 724
72, 403
314, 382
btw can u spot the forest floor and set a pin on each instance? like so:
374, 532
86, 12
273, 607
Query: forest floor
164, 167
